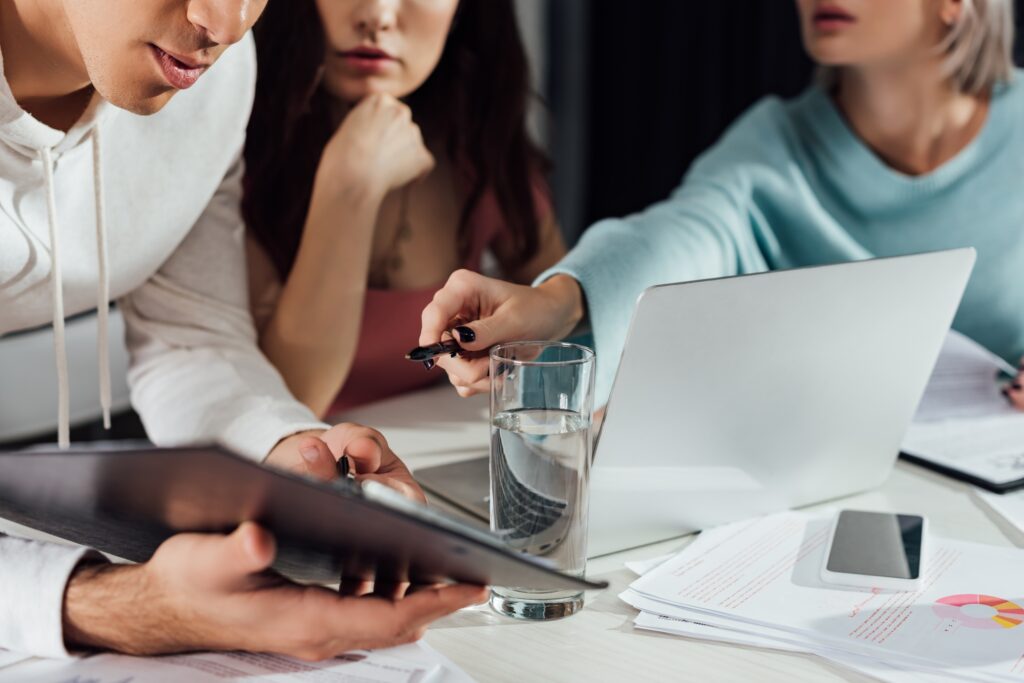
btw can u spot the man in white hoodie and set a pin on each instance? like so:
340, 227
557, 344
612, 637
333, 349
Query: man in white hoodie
112, 190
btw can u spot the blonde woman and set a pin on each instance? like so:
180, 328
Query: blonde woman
911, 141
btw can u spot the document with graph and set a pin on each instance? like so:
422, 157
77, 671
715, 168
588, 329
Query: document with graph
762, 577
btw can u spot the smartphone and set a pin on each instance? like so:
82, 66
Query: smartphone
876, 550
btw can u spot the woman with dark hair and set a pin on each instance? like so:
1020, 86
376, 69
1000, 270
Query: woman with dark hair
387, 148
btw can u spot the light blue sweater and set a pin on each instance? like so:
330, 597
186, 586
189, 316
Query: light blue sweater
790, 185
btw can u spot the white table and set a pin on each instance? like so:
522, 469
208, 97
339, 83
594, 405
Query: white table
600, 644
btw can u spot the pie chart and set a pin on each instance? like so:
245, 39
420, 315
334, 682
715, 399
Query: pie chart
980, 611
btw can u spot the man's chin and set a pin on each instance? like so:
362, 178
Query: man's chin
141, 104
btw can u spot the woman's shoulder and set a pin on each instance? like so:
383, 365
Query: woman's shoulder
1011, 93
765, 134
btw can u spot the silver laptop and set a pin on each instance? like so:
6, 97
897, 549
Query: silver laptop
741, 396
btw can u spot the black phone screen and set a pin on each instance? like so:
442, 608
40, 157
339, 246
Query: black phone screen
877, 544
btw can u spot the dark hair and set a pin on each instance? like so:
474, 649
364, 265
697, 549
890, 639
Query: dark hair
475, 101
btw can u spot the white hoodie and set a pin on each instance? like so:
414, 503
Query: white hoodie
144, 211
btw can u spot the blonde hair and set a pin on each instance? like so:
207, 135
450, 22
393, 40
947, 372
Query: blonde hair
978, 50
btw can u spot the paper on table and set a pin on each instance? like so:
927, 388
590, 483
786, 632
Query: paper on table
963, 421
991, 448
422, 653
871, 667
767, 575
1009, 506
964, 382
672, 620
358, 667
641, 567
743, 633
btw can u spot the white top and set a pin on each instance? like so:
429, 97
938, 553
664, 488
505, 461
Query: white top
169, 186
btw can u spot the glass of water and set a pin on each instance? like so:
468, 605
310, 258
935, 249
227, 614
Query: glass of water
542, 396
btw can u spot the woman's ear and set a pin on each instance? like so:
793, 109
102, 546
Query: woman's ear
950, 11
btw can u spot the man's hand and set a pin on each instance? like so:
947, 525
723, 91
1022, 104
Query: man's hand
214, 592
316, 454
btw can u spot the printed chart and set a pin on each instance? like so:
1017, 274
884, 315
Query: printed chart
980, 611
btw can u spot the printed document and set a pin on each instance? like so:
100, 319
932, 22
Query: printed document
763, 577
964, 382
963, 421
883, 671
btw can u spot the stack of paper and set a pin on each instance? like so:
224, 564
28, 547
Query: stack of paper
758, 583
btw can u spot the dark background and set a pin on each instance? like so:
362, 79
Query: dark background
659, 83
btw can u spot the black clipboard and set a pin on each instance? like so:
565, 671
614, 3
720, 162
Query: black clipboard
988, 485
125, 501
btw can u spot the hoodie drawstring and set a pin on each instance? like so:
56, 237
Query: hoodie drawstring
57, 290
102, 295
103, 284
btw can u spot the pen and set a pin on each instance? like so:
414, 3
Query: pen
427, 354
345, 469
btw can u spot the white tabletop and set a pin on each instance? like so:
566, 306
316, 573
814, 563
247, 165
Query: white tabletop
600, 644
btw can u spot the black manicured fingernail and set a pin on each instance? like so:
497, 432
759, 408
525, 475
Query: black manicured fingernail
429, 364
466, 334
343, 466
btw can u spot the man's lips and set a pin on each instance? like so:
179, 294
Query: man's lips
181, 72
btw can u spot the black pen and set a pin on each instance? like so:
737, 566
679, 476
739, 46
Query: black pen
345, 469
427, 354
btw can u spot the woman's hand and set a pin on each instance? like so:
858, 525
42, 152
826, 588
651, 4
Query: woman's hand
484, 312
379, 144
1014, 391
214, 592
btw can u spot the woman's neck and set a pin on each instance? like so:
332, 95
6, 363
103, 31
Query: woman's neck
912, 117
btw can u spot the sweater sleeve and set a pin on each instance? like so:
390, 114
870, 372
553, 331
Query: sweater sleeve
197, 374
704, 230
33, 577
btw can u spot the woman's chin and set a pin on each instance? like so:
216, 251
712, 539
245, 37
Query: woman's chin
826, 52
354, 90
